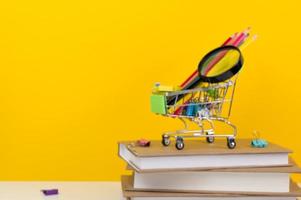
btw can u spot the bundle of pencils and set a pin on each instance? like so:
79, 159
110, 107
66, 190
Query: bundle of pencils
217, 65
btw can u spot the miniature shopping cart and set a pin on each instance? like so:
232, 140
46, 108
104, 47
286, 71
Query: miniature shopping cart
204, 106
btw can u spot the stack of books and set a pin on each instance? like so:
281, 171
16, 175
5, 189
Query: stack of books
205, 171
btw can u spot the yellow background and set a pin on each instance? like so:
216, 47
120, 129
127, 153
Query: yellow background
76, 77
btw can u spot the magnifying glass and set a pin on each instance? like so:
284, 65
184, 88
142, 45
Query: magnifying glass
220, 64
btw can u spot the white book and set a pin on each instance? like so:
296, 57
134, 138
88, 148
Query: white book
213, 181
133, 193
201, 155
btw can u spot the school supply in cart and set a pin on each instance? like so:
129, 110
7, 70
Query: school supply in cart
240, 40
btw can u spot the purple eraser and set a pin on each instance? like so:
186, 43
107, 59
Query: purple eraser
50, 192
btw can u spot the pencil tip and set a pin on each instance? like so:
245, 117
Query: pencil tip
247, 30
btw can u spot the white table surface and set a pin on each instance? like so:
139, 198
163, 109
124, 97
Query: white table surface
68, 190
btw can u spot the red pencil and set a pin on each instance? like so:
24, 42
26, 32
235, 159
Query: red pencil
195, 73
229, 39
187, 80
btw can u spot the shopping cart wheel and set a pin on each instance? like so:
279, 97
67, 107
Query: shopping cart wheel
231, 143
179, 143
165, 140
209, 138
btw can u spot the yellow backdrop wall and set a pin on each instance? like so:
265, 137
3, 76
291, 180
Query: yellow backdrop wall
76, 77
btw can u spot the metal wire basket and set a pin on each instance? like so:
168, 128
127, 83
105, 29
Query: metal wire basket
203, 105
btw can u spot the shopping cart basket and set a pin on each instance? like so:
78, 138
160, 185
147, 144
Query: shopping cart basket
203, 106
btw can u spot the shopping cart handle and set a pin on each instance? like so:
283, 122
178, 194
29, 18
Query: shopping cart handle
165, 88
